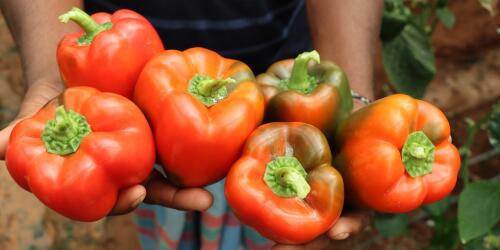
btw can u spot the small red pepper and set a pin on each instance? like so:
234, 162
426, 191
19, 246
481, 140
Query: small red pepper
79, 150
109, 53
284, 185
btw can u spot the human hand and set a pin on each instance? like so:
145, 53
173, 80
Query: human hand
158, 190
37, 95
347, 225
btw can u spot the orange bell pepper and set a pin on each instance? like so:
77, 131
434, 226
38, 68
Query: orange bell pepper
396, 154
202, 108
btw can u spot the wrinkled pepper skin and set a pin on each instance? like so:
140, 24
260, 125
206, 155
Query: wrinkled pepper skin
327, 104
372, 159
198, 144
118, 152
114, 58
291, 220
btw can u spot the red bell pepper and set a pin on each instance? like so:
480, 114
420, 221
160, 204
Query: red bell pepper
202, 108
284, 185
79, 150
396, 154
109, 52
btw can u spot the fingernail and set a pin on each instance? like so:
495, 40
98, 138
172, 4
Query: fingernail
139, 200
341, 236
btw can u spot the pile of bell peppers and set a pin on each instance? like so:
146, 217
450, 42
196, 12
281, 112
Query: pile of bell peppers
200, 112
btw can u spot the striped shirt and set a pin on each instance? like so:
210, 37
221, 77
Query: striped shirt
257, 32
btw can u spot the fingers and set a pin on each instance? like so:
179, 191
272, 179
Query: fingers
4, 138
349, 224
37, 95
160, 191
129, 199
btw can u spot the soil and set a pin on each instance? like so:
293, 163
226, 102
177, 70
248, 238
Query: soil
466, 85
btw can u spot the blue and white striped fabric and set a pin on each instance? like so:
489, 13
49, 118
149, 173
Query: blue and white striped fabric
216, 228
257, 32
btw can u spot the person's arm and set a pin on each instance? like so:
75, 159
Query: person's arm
37, 31
346, 32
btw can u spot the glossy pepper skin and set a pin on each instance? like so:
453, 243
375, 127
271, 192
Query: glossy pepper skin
109, 52
79, 150
268, 189
397, 155
297, 91
202, 108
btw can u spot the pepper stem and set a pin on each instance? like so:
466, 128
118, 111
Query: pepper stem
286, 177
208, 90
63, 134
299, 78
91, 27
418, 154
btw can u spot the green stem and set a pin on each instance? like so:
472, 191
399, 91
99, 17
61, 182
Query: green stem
208, 86
286, 177
418, 154
432, 9
86, 22
208, 90
465, 152
299, 78
64, 133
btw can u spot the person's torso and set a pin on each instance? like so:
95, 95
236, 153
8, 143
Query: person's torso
258, 32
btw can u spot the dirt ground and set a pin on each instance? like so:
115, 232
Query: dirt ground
466, 85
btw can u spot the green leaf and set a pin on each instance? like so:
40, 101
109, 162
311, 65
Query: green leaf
409, 61
421, 20
478, 209
419, 3
484, 243
494, 126
392, 25
396, 17
439, 208
445, 234
442, 3
490, 5
391, 225
475, 244
446, 17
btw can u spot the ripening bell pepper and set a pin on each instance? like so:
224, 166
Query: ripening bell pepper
202, 108
109, 52
79, 150
396, 154
284, 185
297, 91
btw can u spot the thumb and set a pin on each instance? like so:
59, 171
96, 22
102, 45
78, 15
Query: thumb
4, 137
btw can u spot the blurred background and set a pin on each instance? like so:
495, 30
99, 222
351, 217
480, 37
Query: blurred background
460, 58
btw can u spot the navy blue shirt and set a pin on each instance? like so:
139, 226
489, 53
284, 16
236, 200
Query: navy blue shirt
257, 32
